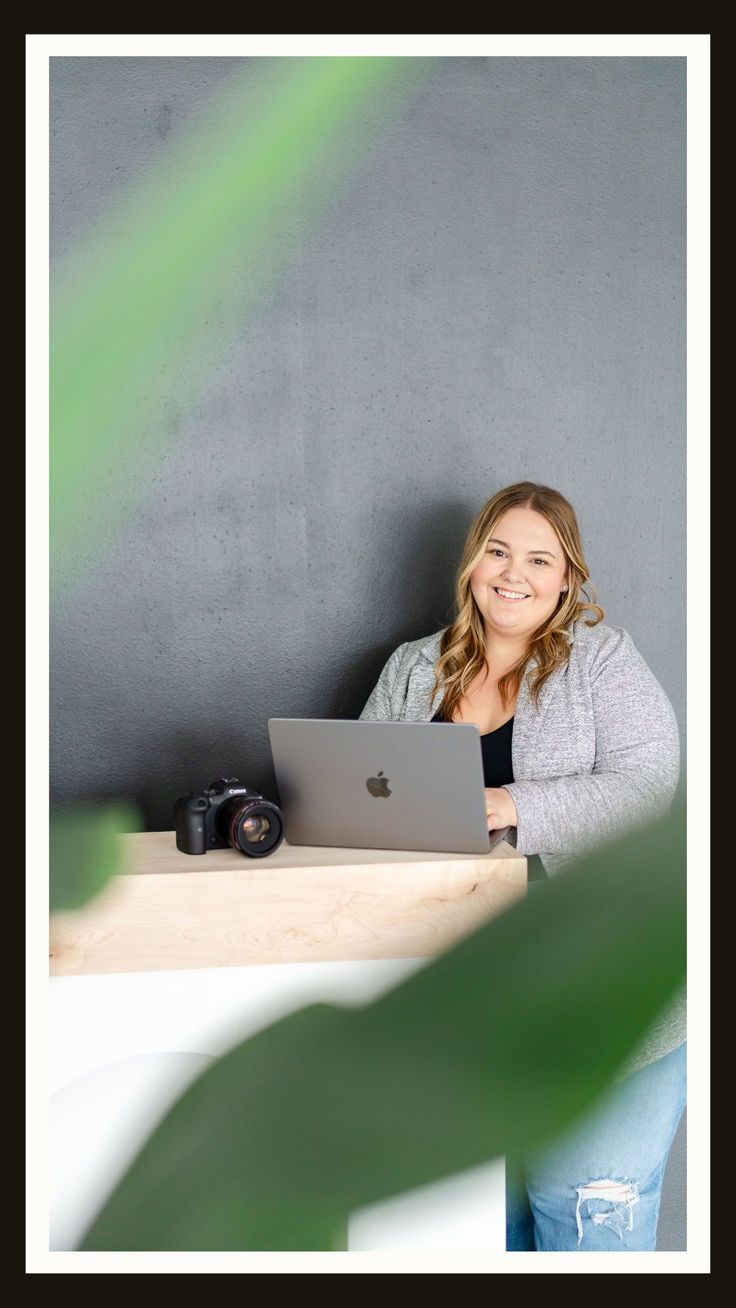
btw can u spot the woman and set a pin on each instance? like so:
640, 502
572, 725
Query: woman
579, 744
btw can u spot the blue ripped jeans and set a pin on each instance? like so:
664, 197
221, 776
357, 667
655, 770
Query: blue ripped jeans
598, 1186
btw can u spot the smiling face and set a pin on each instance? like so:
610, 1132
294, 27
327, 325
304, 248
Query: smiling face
518, 581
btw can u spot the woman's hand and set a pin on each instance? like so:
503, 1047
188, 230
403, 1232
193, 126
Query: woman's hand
500, 808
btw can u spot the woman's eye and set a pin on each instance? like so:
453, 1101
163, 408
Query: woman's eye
495, 550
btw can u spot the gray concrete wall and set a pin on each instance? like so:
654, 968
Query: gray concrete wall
495, 292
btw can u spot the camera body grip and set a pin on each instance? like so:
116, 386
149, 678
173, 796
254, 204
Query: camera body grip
191, 825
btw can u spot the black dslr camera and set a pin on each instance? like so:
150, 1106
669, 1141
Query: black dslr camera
228, 814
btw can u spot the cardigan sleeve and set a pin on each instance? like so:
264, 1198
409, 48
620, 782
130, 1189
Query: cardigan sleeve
378, 705
636, 767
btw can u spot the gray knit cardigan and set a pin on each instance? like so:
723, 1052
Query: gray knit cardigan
599, 755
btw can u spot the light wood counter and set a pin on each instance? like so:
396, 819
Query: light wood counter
168, 910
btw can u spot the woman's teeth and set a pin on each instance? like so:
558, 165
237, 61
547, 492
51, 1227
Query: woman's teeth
509, 594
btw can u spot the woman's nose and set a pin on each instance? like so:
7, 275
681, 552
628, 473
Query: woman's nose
513, 571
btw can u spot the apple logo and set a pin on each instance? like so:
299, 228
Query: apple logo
378, 786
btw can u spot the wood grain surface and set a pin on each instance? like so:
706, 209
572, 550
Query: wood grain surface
302, 903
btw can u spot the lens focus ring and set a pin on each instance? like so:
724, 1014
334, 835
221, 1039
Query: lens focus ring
255, 827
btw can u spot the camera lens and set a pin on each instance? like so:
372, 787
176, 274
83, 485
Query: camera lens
253, 826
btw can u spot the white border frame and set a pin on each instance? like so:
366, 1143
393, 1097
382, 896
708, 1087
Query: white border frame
696, 49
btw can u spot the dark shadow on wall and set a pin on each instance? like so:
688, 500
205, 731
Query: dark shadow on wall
416, 559
417, 574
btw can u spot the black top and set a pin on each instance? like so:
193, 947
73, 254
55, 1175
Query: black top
498, 771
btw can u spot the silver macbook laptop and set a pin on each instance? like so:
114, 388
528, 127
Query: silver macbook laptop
382, 785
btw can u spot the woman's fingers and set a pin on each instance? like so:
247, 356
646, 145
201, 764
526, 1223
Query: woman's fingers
500, 808
492, 815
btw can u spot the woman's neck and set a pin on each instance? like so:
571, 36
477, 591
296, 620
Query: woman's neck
501, 655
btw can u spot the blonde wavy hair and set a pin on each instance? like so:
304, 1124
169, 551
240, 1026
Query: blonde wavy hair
462, 647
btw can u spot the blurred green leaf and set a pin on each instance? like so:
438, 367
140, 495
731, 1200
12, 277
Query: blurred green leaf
140, 311
84, 850
491, 1049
